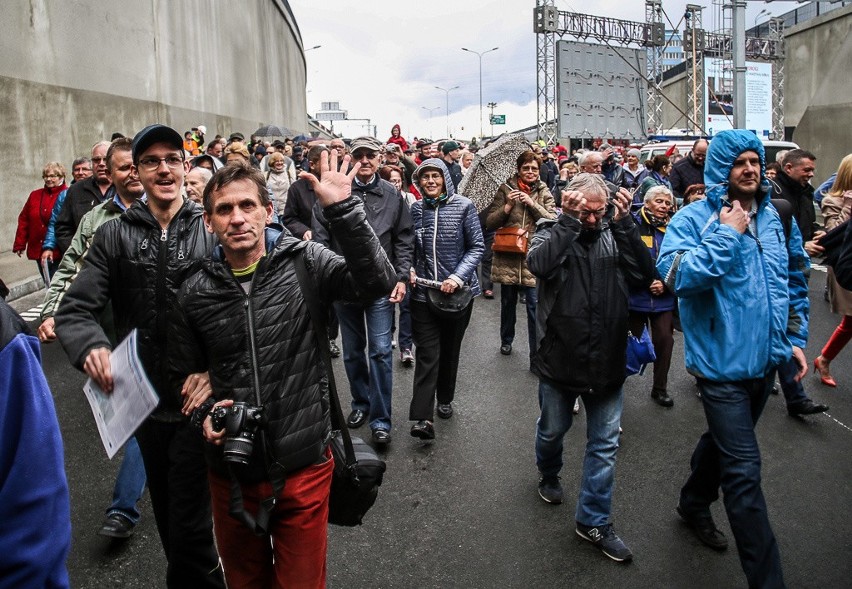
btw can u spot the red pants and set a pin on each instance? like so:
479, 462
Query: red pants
839, 338
294, 552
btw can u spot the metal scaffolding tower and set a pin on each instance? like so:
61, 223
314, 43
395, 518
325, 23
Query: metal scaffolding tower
544, 25
654, 116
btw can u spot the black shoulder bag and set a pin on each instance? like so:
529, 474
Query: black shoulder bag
358, 470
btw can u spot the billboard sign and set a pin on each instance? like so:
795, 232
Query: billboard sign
601, 91
718, 101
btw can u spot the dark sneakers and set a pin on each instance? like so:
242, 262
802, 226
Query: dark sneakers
605, 540
705, 529
550, 490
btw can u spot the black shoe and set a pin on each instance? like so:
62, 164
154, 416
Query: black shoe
705, 530
333, 349
506, 349
522, 300
356, 418
117, 526
774, 390
445, 410
605, 539
381, 436
550, 490
423, 429
662, 398
806, 407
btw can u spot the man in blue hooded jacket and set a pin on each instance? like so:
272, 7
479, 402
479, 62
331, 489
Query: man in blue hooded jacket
744, 311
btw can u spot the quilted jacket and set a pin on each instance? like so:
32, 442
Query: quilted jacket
139, 267
258, 346
448, 238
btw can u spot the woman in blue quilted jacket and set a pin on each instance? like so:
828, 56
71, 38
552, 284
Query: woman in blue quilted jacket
448, 246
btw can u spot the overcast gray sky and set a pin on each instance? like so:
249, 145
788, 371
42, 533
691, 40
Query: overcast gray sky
382, 59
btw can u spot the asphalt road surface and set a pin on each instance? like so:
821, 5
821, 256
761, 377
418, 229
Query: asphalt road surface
464, 511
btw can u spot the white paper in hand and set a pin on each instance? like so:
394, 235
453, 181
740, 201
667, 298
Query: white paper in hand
133, 399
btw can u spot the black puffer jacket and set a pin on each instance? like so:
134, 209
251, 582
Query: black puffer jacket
139, 267
259, 345
581, 318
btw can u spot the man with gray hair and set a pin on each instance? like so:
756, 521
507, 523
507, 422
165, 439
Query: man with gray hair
611, 171
582, 261
196, 179
83, 196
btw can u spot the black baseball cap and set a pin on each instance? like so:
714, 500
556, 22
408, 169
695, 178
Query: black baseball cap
155, 134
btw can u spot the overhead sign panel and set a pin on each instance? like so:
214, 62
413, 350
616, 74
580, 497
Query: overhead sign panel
601, 91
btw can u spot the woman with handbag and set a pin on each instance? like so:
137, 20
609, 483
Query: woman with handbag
836, 209
656, 304
448, 246
519, 203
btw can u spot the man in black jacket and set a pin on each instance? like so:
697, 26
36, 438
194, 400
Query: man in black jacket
584, 262
793, 184
244, 317
368, 326
138, 261
83, 196
689, 170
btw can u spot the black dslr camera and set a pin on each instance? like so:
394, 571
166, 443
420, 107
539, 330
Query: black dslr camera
240, 422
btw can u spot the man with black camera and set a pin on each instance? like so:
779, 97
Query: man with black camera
243, 316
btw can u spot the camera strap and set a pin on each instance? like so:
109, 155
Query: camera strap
318, 318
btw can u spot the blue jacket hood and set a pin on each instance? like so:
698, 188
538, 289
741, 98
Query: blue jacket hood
721, 153
434, 162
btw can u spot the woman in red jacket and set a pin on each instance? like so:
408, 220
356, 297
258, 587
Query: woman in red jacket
34, 217
397, 138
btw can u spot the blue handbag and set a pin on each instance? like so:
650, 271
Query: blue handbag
640, 352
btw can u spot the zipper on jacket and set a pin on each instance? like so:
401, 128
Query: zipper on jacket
435, 244
162, 303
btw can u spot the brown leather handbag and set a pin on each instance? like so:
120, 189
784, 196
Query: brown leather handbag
511, 240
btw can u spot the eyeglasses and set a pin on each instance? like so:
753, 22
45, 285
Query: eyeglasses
53, 176
151, 164
368, 154
529, 168
584, 214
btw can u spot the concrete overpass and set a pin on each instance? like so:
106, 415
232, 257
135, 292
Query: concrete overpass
73, 73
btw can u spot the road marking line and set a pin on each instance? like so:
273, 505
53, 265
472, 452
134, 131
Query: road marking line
840, 423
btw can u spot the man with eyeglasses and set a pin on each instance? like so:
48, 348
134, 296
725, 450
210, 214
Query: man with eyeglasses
137, 262
582, 261
82, 197
369, 326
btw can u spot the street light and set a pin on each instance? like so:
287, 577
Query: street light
447, 91
430, 115
478, 54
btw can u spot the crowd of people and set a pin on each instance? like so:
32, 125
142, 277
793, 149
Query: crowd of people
196, 245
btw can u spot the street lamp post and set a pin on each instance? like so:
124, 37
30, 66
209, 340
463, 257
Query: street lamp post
430, 115
447, 92
478, 54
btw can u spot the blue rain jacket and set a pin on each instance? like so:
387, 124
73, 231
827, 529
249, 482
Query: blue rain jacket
743, 298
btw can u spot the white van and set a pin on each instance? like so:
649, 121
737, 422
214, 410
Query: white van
649, 150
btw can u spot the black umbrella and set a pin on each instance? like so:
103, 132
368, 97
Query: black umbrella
273, 131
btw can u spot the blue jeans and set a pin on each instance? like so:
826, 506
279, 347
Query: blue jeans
508, 303
603, 416
794, 392
129, 484
368, 327
728, 455
405, 322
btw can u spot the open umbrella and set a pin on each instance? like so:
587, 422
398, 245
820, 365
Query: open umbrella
491, 167
273, 131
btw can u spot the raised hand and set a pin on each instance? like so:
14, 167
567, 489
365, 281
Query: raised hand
622, 200
332, 186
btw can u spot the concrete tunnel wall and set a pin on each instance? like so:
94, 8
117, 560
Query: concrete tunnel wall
76, 71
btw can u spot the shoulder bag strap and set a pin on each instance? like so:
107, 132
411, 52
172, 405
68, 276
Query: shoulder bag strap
311, 296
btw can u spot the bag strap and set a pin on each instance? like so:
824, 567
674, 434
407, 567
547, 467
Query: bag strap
318, 318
